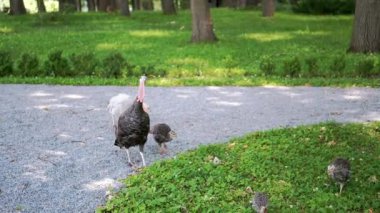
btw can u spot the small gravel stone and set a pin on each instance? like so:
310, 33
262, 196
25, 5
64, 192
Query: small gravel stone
57, 150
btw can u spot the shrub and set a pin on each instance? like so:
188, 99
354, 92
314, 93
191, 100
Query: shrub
376, 69
267, 66
150, 71
292, 67
324, 6
28, 65
49, 18
312, 67
57, 65
84, 64
6, 65
364, 67
229, 62
337, 66
235, 72
113, 65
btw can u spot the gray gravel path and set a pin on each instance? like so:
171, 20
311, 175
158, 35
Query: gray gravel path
56, 142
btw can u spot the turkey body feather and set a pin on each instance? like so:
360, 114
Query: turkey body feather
339, 171
162, 133
133, 127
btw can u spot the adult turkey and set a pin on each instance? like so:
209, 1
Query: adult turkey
260, 202
339, 171
118, 104
162, 133
133, 125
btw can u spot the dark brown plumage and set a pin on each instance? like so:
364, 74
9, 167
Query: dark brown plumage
162, 133
260, 202
339, 171
133, 125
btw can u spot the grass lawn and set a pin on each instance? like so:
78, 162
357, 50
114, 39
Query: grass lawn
289, 164
152, 41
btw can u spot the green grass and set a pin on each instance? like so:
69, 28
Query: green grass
150, 39
198, 81
289, 164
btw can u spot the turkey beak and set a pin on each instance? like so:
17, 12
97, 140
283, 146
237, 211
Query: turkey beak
173, 135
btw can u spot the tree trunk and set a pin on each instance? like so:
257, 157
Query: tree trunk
253, 3
185, 4
268, 8
201, 22
104, 5
41, 6
241, 4
366, 30
147, 5
91, 5
168, 7
124, 8
136, 4
78, 4
17, 7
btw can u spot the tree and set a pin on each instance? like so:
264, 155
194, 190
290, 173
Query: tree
168, 7
241, 4
366, 30
124, 8
17, 7
136, 4
91, 5
268, 8
41, 6
201, 22
147, 4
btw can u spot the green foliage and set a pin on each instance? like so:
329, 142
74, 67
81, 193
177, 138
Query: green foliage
376, 70
312, 69
267, 65
289, 164
156, 44
324, 6
6, 64
229, 62
113, 65
337, 66
84, 64
28, 66
149, 71
48, 19
57, 65
292, 67
364, 67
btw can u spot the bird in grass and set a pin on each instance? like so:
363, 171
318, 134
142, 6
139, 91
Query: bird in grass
260, 202
162, 134
118, 104
339, 171
133, 125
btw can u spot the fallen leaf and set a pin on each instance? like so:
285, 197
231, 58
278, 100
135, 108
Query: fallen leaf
231, 145
331, 143
373, 179
249, 190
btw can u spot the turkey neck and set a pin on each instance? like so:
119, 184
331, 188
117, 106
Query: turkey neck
138, 107
141, 91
